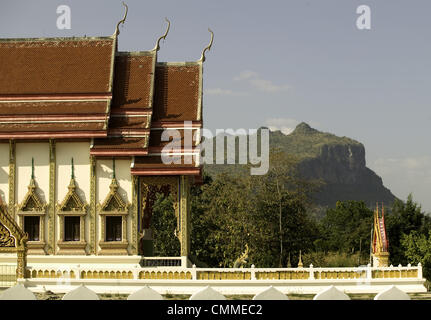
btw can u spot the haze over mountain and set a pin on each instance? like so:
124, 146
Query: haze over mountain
338, 161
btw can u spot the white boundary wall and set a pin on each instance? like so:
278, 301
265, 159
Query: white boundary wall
168, 280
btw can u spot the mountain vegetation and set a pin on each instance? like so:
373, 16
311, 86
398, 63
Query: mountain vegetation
273, 216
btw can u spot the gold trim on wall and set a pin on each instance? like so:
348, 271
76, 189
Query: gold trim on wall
134, 215
32, 205
72, 206
12, 175
93, 244
185, 215
113, 206
51, 207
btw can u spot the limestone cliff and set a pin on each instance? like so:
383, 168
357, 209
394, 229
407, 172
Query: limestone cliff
338, 161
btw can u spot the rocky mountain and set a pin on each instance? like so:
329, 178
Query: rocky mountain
338, 161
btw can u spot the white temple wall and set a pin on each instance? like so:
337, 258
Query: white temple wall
39, 151
4, 172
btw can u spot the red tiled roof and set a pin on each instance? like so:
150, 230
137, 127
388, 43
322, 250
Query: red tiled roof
65, 78
72, 88
177, 94
133, 80
52, 66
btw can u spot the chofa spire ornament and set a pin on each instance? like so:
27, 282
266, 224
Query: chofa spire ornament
208, 47
157, 47
117, 29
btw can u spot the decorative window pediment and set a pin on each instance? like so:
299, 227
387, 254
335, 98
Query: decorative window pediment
32, 201
72, 202
113, 202
32, 208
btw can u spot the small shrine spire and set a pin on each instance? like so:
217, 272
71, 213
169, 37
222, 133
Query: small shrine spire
117, 29
300, 264
157, 47
208, 47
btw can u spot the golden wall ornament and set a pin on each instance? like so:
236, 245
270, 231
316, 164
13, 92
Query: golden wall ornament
184, 213
51, 208
134, 215
6, 238
92, 205
113, 206
11, 233
12, 174
32, 205
73, 206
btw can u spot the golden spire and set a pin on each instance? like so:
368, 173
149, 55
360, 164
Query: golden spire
157, 47
117, 29
300, 264
208, 47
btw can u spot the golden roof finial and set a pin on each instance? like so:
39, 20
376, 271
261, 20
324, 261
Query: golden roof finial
208, 47
117, 29
157, 47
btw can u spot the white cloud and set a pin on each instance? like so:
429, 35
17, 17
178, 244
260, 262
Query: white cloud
223, 92
407, 175
414, 165
285, 125
254, 79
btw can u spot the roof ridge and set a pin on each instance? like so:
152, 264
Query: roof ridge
57, 39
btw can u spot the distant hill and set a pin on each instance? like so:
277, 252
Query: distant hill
338, 161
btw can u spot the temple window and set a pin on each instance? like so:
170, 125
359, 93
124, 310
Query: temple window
31, 216
32, 227
113, 214
72, 228
114, 228
72, 212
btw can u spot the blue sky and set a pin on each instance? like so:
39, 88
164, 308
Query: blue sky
277, 63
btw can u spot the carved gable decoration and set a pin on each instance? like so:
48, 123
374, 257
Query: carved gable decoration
113, 201
6, 238
31, 201
11, 235
72, 202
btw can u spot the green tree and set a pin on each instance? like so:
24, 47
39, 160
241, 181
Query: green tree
404, 218
347, 228
268, 213
417, 248
163, 225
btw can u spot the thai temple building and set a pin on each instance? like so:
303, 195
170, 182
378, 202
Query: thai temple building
81, 128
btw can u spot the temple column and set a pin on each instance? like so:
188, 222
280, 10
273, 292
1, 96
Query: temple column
12, 180
92, 241
51, 208
184, 215
135, 216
